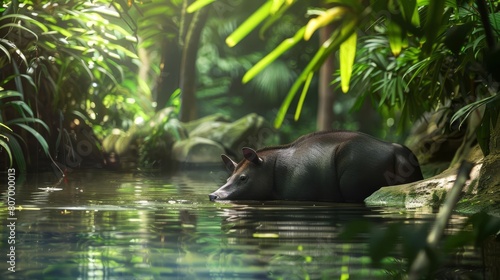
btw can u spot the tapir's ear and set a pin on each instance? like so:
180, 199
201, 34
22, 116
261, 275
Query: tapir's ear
229, 163
251, 155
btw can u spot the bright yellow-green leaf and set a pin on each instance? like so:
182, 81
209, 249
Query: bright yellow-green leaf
6, 127
314, 64
268, 59
195, 6
276, 15
415, 19
303, 95
246, 27
347, 53
395, 36
323, 19
409, 11
276, 5
61, 30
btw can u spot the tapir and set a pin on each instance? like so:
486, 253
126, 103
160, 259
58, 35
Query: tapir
334, 166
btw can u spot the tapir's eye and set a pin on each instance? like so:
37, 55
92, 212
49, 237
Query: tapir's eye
243, 178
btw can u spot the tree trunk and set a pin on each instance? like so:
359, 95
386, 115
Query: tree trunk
188, 109
326, 93
168, 81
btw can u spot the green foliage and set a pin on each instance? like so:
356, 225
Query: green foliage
16, 113
412, 56
423, 77
269, 12
163, 130
384, 241
73, 58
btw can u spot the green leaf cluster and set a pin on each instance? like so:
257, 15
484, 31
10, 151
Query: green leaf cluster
410, 56
14, 112
64, 60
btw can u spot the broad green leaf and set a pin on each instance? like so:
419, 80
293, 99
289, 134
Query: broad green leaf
17, 76
324, 51
268, 59
21, 107
409, 10
17, 152
102, 10
464, 112
124, 50
195, 6
417, 68
80, 115
6, 147
26, 18
275, 7
26, 77
10, 93
246, 27
495, 20
28, 120
275, 16
347, 53
323, 19
15, 50
433, 23
38, 137
81, 49
303, 96
17, 26
449, 3
6, 52
395, 35
61, 30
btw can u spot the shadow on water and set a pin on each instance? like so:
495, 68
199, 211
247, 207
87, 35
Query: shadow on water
103, 225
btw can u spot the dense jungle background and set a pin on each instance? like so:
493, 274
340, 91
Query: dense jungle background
154, 84
84, 82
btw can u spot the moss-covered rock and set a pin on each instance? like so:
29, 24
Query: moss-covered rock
429, 192
249, 131
196, 151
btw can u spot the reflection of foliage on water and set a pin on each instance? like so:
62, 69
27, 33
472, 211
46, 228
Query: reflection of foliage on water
138, 227
346, 260
383, 242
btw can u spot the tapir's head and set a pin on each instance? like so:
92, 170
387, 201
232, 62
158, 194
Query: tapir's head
250, 179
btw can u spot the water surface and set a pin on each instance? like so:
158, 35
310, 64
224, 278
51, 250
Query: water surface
108, 225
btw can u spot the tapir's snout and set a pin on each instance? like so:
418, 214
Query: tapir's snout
212, 197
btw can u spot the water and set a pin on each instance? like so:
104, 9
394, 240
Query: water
105, 225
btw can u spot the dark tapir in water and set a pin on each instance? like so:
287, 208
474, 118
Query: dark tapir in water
337, 166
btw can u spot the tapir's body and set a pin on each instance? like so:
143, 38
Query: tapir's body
337, 166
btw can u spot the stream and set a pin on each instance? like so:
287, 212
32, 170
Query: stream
112, 225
